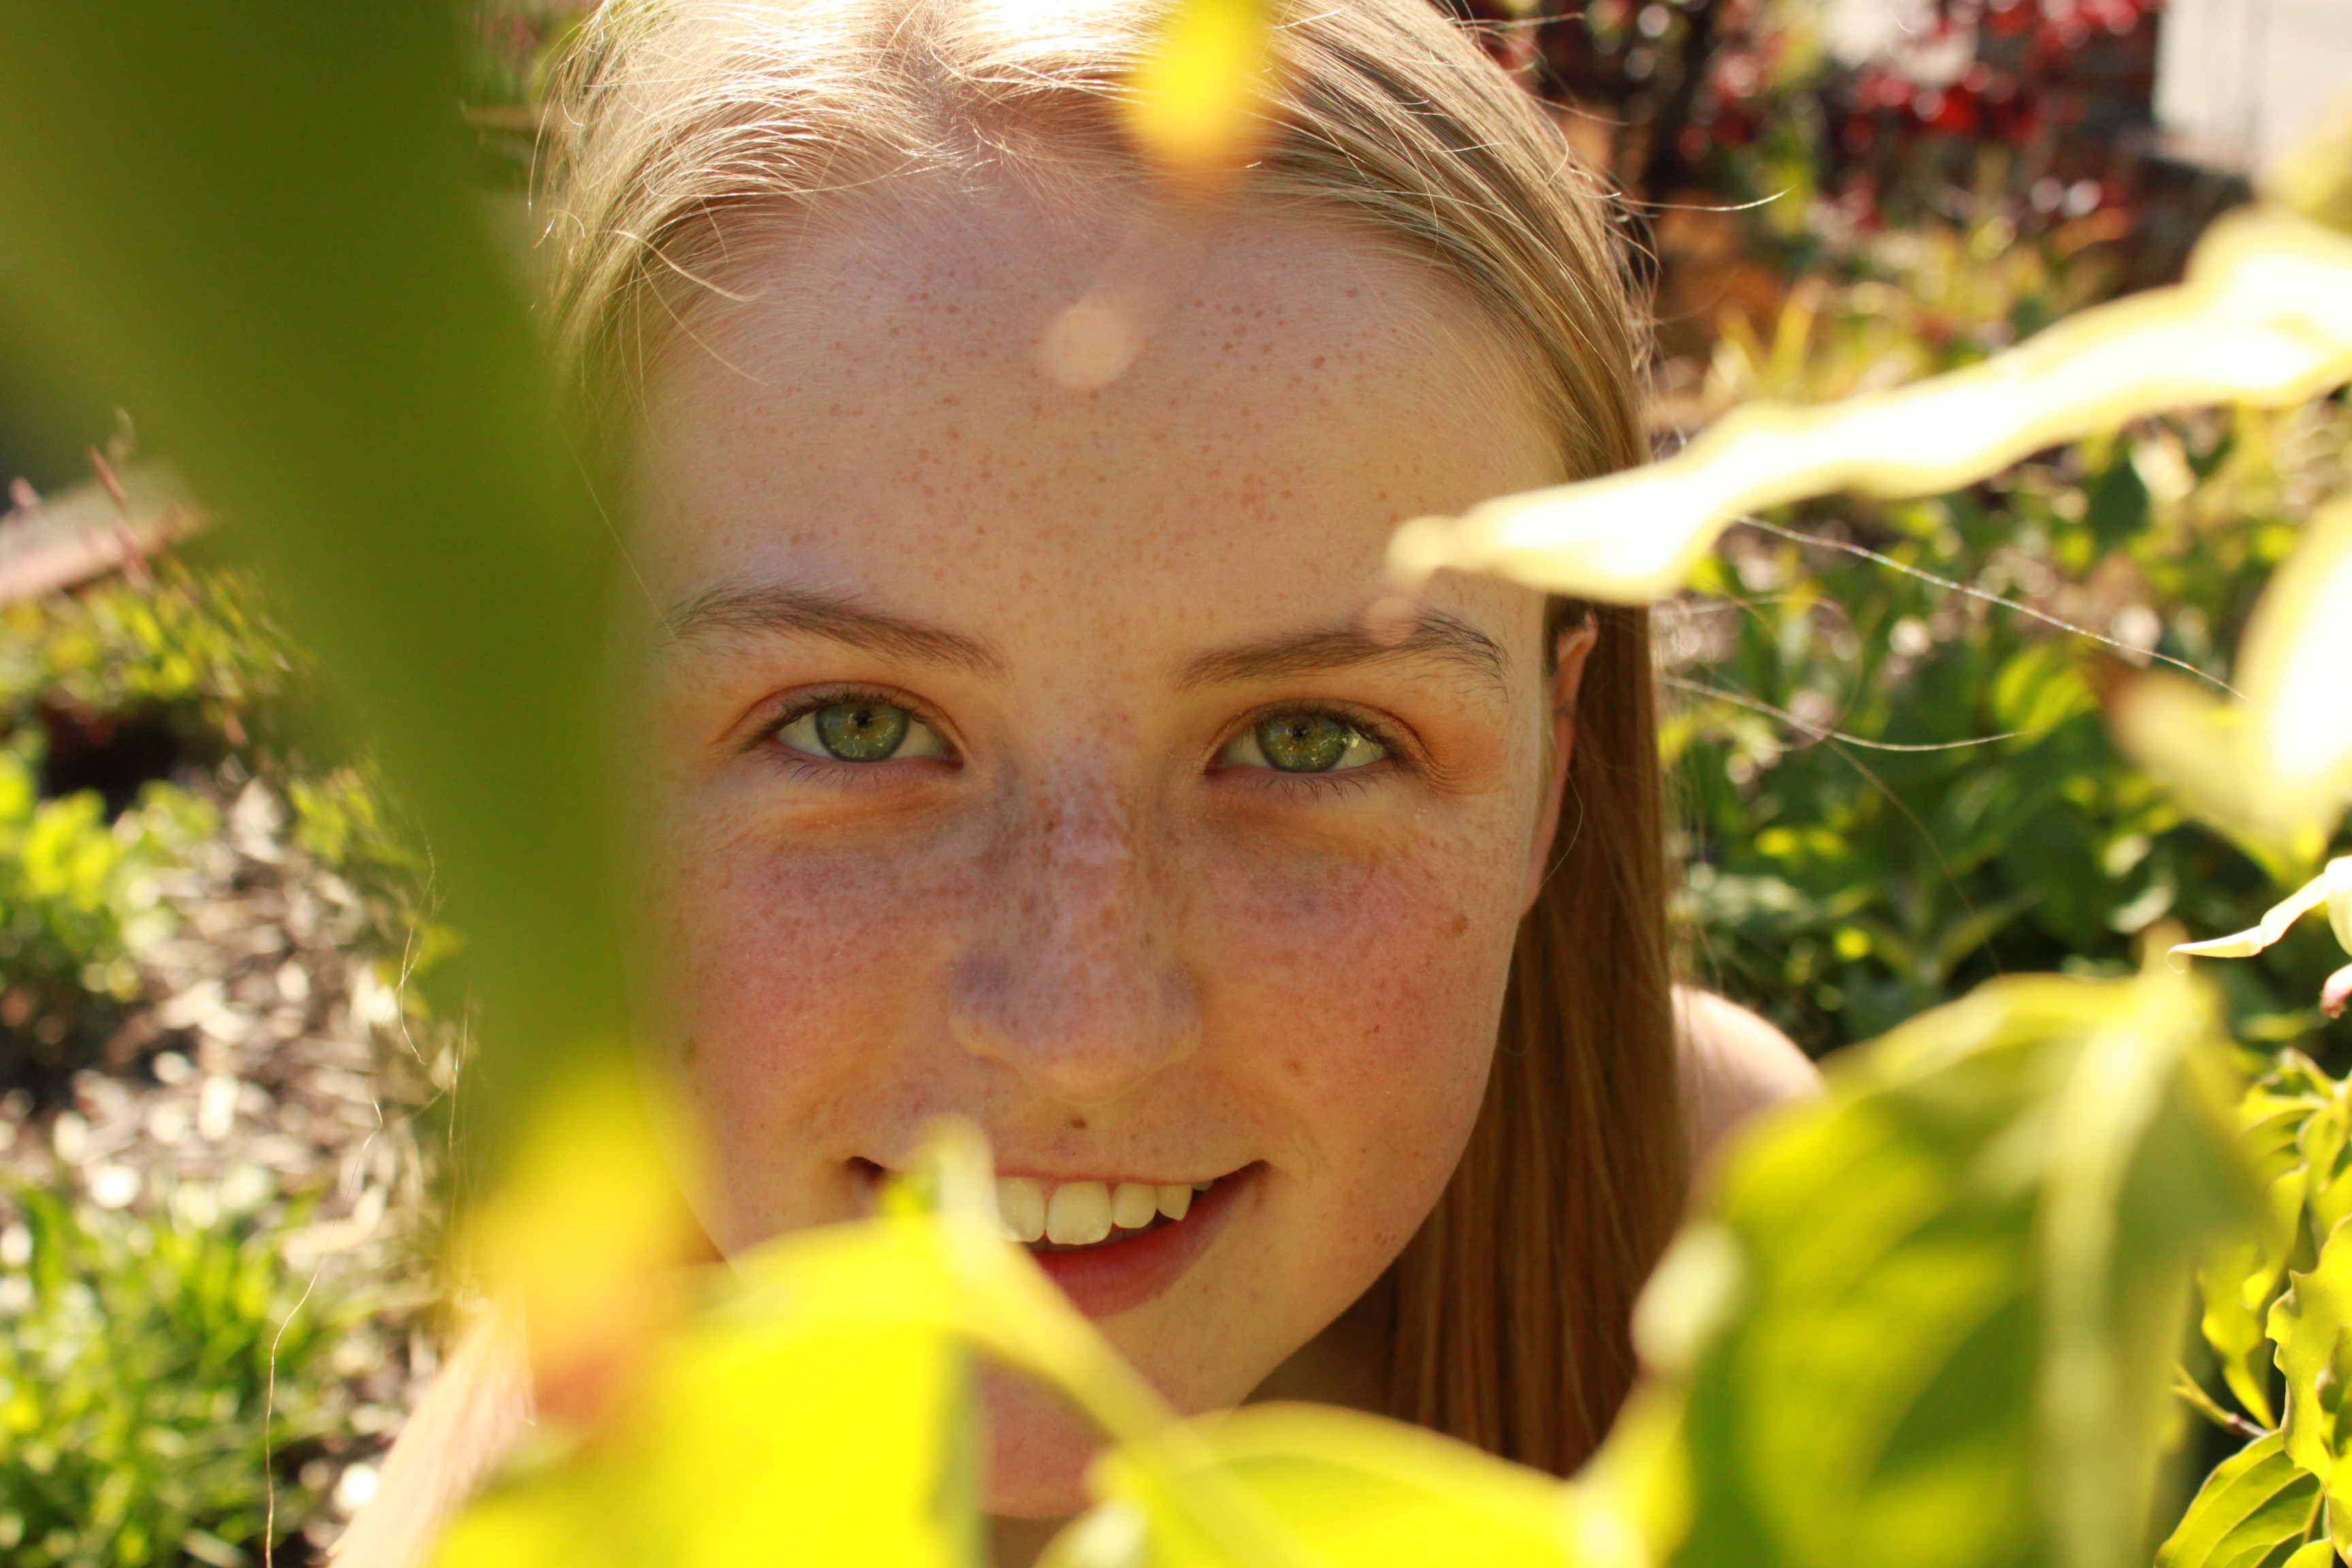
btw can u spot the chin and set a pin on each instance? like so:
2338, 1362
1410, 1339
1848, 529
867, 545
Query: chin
1037, 1445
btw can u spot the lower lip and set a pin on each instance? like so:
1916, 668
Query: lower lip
1115, 1276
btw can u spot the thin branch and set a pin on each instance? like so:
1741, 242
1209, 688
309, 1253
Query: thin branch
1818, 733
1868, 554
2193, 1395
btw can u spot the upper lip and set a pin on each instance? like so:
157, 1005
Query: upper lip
1037, 1176
1039, 1173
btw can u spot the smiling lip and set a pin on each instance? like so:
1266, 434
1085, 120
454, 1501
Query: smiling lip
1114, 1277
1118, 1275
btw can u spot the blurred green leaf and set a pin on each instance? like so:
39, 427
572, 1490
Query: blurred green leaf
1965, 1273
255, 228
1350, 1488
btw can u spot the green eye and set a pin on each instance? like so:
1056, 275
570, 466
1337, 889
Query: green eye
1302, 740
862, 730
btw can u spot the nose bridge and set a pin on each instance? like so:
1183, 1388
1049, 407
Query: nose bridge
1073, 976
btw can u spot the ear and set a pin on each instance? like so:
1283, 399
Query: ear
1575, 647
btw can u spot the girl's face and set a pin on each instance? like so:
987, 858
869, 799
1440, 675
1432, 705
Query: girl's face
1023, 753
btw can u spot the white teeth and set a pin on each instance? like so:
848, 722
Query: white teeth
1021, 1203
1079, 1214
1134, 1205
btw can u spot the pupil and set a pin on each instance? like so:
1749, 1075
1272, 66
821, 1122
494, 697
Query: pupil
861, 731
1304, 743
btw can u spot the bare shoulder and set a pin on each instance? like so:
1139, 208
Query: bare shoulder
475, 1408
1733, 1064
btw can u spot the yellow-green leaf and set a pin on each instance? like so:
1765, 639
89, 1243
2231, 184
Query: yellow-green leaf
2277, 917
2264, 316
1348, 1489
2310, 1325
820, 1418
2255, 1502
1963, 1275
2272, 767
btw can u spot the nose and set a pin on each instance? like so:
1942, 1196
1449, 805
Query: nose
1071, 974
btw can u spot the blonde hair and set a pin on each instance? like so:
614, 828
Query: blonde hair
685, 124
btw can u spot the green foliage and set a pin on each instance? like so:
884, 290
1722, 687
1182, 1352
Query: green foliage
79, 899
157, 1375
2256, 1508
1842, 886
193, 641
2278, 1318
1953, 1287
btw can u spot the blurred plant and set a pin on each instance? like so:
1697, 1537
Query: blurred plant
78, 903
161, 1379
189, 647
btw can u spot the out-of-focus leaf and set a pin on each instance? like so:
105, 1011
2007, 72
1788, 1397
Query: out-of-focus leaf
1965, 1275
2315, 176
1350, 1488
586, 1237
816, 1411
2252, 1510
819, 1418
2264, 316
1196, 105
2312, 1325
256, 228
2273, 767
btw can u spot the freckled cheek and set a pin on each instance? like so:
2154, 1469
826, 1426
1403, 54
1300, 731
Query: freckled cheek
1364, 997
795, 974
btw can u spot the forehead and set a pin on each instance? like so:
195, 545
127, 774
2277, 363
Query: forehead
874, 409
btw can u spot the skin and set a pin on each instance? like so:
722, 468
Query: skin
1091, 924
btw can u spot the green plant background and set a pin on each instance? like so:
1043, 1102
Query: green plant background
1837, 885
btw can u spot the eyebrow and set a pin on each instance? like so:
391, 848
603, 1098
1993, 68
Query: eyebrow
774, 608
1437, 635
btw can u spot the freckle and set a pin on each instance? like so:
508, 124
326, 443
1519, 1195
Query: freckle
1318, 361
1461, 923
1078, 1124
